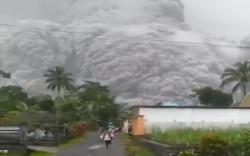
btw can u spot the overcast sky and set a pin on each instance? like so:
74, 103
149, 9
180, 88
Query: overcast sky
230, 18
222, 18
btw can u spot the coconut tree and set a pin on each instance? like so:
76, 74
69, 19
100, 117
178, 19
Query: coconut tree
238, 77
58, 79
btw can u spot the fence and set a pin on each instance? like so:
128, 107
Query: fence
47, 135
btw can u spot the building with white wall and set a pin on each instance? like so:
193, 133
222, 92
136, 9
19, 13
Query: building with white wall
168, 117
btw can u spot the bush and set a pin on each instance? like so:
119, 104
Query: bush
134, 150
212, 145
245, 143
187, 153
189, 136
138, 151
77, 129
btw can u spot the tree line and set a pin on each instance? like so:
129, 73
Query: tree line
90, 102
237, 78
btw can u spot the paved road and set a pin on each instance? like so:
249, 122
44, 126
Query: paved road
92, 146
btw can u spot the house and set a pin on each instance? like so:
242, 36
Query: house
149, 118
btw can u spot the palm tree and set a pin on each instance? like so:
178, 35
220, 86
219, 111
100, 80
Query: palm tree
58, 79
239, 77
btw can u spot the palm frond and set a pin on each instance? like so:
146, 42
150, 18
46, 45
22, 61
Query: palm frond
227, 81
236, 87
229, 72
58, 79
239, 76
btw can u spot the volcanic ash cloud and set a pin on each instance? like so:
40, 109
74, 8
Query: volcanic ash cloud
119, 44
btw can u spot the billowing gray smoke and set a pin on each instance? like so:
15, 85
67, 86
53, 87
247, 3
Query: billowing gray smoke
119, 43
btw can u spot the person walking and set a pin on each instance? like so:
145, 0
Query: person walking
112, 134
107, 139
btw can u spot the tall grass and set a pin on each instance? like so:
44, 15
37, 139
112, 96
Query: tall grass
193, 136
132, 149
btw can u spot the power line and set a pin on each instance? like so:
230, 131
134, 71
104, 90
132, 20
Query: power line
166, 42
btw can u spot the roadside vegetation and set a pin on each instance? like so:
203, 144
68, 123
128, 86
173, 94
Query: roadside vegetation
132, 149
39, 154
31, 153
77, 106
193, 136
228, 142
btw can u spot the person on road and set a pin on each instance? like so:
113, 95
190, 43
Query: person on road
129, 129
107, 139
112, 134
101, 132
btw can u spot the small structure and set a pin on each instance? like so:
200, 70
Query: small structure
149, 118
13, 139
43, 129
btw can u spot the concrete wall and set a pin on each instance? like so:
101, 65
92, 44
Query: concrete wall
165, 118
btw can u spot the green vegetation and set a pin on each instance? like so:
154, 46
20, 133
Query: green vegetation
58, 79
33, 153
11, 155
91, 103
229, 142
88, 105
132, 149
16, 105
210, 97
187, 153
40, 154
239, 77
193, 137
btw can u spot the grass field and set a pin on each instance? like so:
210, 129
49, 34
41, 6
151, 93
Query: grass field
132, 149
192, 137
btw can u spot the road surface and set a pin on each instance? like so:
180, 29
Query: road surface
92, 146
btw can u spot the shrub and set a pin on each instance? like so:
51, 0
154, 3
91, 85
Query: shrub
189, 136
244, 149
77, 129
187, 153
134, 150
212, 145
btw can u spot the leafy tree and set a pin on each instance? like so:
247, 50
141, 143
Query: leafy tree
13, 118
14, 93
71, 109
210, 97
239, 77
93, 104
44, 103
99, 101
58, 79
11, 97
